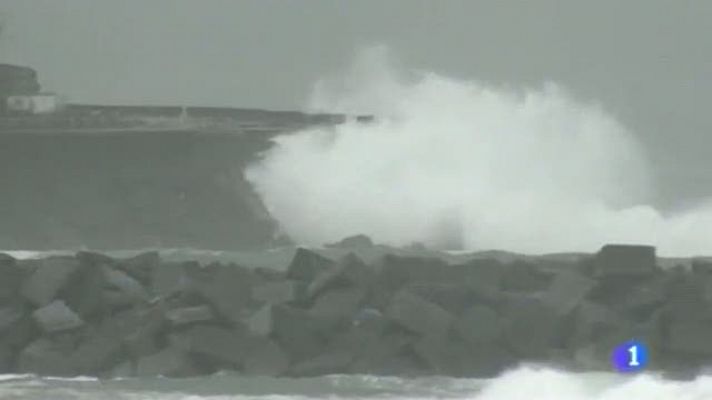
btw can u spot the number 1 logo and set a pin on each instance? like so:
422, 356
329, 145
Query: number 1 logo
630, 356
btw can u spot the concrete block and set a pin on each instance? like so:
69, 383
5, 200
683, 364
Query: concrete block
524, 277
45, 358
419, 315
353, 242
56, 317
618, 260
171, 277
567, 291
277, 292
530, 327
479, 325
228, 288
122, 288
49, 277
141, 267
11, 276
307, 264
170, 362
190, 315
350, 271
338, 304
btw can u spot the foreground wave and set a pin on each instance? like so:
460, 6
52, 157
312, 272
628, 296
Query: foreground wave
528, 383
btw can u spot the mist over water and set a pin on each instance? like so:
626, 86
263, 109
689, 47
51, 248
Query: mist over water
466, 165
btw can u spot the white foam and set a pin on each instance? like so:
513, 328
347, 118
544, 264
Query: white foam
458, 164
544, 384
15, 377
27, 254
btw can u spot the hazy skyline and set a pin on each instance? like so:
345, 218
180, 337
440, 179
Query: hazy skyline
646, 62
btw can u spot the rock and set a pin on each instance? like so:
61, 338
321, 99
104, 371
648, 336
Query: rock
125, 369
170, 362
18, 333
396, 272
590, 320
419, 315
190, 315
56, 317
643, 299
483, 273
443, 357
10, 278
261, 322
350, 271
141, 330
686, 299
224, 348
366, 315
323, 364
251, 354
591, 357
122, 289
617, 260
278, 292
49, 277
94, 260
454, 358
171, 277
101, 351
530, 327
298, 333
6, 359
567, 291
690, 338
269, 274
371, 349
455, 298
597, 330
338, 303
84, 293
141, 267
524, 277
228, 288
45, 358
337, 308
353, 242
265, 358
479, 325
306, 265
9, 316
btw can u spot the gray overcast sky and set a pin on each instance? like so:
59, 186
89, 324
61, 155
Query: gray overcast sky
646, 61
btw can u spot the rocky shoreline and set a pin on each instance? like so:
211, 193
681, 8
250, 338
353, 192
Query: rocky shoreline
93, 315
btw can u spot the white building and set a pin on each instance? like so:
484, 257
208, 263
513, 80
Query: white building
42, 103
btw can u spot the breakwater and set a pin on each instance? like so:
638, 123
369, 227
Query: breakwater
91, 314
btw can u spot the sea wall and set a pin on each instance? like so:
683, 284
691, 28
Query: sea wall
90, 314
119, 177
129, 190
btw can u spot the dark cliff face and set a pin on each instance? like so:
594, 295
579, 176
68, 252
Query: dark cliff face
129, 189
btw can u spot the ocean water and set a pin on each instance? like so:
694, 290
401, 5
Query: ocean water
528, 383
